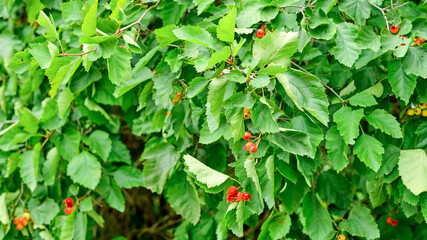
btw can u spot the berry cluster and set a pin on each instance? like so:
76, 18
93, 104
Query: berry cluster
69, 203
392, 222
20, 223
420, 109
233, 195
250, 146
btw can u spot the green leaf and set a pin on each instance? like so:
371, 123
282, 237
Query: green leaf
165, 35
237, 125
414, 60
114, 197
183, 198
203, 173
337, 149
276, 226
293, 141
218, 57
304, 124
261, 80
20, 62
403, 84
318, 222
33, 8
4, 215
225, 29
80, 226
64, 101
265, 172
196, 86
159, 161
50, 166
99, 142
89, 18
361, 223
384, 121
263, 119
42, 54
369, 150
234, 218
376, 190
347, 122
45, 212
85, 170
307, 92
29, 167
334, 189
362, 99
44, 21
128, 177
67, 229
62, 71
72, 11
216, 94
257, 204
195, 35
423, 205
119, 67
346, 51
29, 122
277, 47
68, 143
413, 169
358, 10
368, 39
171, 12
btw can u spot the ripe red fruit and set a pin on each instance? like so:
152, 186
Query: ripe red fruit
389, 220
68, 210
419, 41
394, 29
247, 136
239, 197
246, 197
249, 145
232, 190
230, 198
178, 96
69, 202
395, 223
19, 226
16, 220
123, 47
253, 149
24, 222
260, 33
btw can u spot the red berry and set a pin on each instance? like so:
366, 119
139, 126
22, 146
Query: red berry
69, 202
232, 190
247, 136
253, 149
239, 197
246, 197
19, 226
249, 145
395, 223
230, 198
394, 29
389, 220
24, 222
260, 33
153, 72
123, 47
16, 220
68, 210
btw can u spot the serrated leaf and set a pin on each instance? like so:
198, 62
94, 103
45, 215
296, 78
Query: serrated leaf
293, 141
216, 94
304, 124
4, 215
346, 51
119, 68
29, 122
20, 62
80, 226
368, 39
203, 173
41, 54
347, 122
89, 18
29, 167
68, 143
237, 125
72, 10
33, 8
307, 92
318, 222
85, 170
44, 21
196, 86
99, 142
225, 29
337, 149
423, 205
50, 166
361, 223
362, 99
384, 121
218, 57
334, 189
403, 84
64, 100
261, 80
358, 10
137, 78
195, 35
165, 35
67, 229
376, 190
413, 169
277, 47
414, 60
45, 212
128, 177
114, 197
263, 118
265, 172
369, 150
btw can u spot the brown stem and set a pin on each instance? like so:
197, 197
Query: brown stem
76, 54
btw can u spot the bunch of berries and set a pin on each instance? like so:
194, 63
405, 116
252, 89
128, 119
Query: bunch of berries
392, 222
420, 109
250, 146
20, 223
69, 203
233, 195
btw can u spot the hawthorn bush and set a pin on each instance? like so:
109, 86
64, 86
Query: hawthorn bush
271, 119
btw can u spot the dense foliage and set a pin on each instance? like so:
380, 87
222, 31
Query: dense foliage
105, 102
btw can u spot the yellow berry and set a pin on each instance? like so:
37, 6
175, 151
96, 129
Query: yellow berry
423, 106
26, 215
410, 112
341, 237
424, 113
417, 111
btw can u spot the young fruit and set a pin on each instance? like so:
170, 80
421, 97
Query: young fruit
424, 113
419, 41
247, 115
422, 106
341, 237
178, 96
68, 210
246, 197
26, 215
260, 33
16, 220
253, 149
69, 202
232, 190
410, 112
153, 72
247, 136
239, 197
395, 223
417, 111
389, 220
394, 29
24, 222
19, 226
174, 102
246, 110
249, 145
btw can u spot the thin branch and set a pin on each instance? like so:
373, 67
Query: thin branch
138, 21
76, 54
382, 11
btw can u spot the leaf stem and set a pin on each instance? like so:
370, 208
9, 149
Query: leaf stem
382, 11
77, 54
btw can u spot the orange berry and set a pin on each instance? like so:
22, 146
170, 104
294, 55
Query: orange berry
174, 102
178, 96
68, 210
69, 202
253, 149
168, 114
239, 197
260, 33
249, 145
232, 190
19, 226
24, 222
389, 220
394, 29
341, 237
247, 136
16, 220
